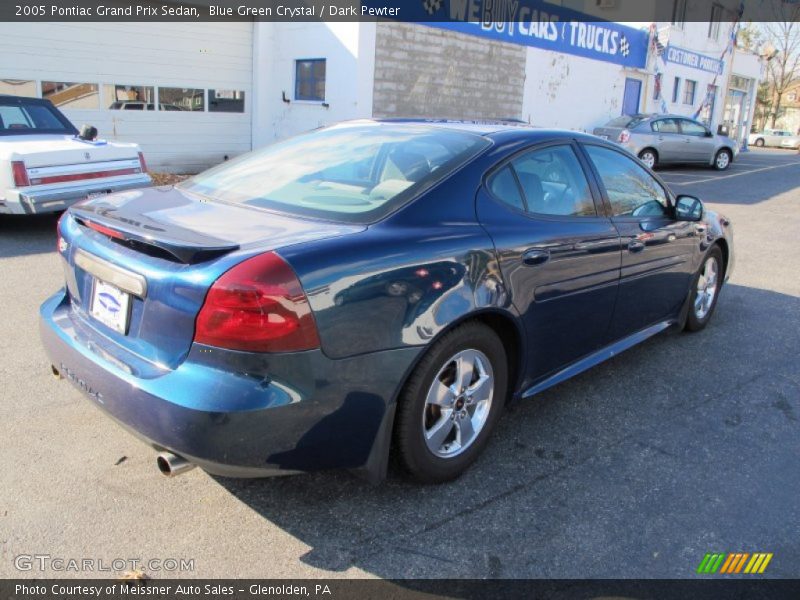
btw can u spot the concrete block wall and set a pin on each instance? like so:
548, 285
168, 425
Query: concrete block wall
425, 72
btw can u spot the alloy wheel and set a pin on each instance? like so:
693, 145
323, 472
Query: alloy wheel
723, 160
458, 403
649, 159
706, 288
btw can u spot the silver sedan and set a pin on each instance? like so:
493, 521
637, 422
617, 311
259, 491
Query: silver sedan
660, 139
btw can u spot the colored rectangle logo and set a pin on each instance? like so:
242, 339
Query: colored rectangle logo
734, 563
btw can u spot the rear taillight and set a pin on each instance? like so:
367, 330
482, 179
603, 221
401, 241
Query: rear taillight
142, 163
20, 174
257, 306
624, 136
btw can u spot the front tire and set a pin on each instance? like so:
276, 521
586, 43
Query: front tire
760, 143
451, 403
723, 160
649, 158
706, 286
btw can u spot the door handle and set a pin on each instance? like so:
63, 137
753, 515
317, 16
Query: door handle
635, 247
535, 256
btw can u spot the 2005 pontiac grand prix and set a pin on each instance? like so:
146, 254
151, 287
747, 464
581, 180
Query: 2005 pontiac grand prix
370, 287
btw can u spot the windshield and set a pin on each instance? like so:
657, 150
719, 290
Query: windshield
18, 117
352, 173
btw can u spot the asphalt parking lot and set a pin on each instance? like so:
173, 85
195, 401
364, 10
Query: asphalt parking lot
685, 445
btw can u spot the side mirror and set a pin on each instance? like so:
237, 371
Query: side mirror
709, 134
688, 208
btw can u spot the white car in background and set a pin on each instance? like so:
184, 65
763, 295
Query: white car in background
778, 138
45, 166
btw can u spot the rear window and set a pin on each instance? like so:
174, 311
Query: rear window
349, 173
625, 121
20, 119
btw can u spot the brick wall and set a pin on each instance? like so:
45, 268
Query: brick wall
426, 72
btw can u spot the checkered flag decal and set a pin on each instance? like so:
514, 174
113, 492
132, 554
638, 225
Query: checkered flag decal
624, 46
431, 6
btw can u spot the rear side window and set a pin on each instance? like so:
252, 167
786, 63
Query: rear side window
504, 186
631, 190
552, 183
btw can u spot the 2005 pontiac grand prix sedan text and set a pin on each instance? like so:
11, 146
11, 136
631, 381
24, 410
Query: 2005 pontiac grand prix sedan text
368, 287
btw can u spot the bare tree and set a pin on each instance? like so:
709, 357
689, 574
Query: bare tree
783, 33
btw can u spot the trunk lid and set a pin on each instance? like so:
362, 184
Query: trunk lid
52, 159
177, 246
608, 133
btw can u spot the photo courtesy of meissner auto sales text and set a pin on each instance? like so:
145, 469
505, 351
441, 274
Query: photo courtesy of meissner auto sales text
400, 299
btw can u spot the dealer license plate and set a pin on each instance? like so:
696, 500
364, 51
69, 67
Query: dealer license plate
110, 306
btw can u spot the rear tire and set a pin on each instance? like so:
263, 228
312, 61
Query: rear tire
649, 157
706, 286
759, 143
451, 403
723, 160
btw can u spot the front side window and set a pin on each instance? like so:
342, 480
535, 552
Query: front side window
309, 80
552, 183
631, 190
348, 173
692, 128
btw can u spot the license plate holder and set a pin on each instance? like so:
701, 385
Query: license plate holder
111, 306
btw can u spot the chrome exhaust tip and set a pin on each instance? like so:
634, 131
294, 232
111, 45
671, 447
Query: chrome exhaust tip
172, 465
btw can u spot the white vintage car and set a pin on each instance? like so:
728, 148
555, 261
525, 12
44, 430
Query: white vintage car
45, 165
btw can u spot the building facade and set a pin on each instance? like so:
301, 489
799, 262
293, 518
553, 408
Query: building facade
195, 94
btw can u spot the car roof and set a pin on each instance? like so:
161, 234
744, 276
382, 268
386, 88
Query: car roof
503, 131
479, 126
11, 99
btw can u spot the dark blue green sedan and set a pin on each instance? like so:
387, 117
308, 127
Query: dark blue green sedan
371, 287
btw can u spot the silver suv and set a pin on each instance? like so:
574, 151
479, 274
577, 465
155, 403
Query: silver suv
659, 139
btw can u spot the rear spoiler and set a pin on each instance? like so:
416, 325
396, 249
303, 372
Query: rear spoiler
184, 245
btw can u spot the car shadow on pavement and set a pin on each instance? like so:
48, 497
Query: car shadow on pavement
629, 470
23, 235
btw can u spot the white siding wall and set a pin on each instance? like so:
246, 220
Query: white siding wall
349, 50
201, 55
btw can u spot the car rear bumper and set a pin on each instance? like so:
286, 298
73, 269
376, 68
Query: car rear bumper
222, 411
52, 198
